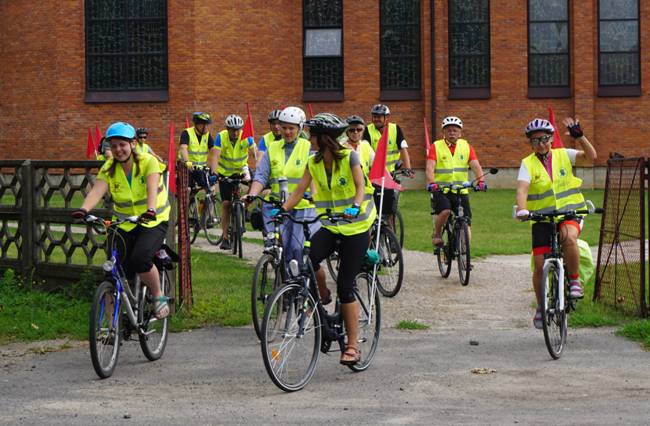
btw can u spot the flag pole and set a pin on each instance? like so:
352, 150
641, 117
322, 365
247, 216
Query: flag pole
373, 287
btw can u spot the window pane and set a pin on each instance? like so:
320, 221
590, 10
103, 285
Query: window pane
106, 9
619, 36
548, 70
469, 39
400, 44
619, 69
323, 74
400, 41
400, 11
146, 9
469, 44
106, 37
549, 37
618, 9
468, 11
322, 13
400, 73
323, 42
469, 71
548, 10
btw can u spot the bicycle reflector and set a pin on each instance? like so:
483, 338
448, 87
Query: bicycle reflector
108, 265
293, 267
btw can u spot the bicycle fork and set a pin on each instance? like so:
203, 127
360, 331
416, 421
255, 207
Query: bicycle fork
548, 263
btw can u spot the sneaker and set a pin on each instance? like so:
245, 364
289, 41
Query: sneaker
225, 245
437, 241
575, 290
537, 319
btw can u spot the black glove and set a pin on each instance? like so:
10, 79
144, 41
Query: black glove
409, 173
149, 215
79, 214
575, 131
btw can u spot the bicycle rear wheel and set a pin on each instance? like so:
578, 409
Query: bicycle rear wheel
333, 261
193, 220
153, 337
399, 227
211, 219
369, 320
291, 337
266, 279
444, 253
391, 270
553, 315
105, 330
464, 266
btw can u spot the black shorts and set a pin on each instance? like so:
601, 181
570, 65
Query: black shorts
139, 247
198, 178
226, 188
542, 232
390, 200
440, 202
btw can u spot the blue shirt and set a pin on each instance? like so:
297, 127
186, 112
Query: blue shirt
217, 141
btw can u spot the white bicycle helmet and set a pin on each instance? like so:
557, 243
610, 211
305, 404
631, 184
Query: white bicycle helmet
234, 122
539, 124
451, 120
274, 115
380, 109
293, 115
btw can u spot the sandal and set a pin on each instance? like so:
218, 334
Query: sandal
350, 356
161, 307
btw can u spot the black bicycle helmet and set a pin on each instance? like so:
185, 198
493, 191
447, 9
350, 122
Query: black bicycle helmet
325, 123
274, 115
201, 117
141, 131
380, 109
355, 119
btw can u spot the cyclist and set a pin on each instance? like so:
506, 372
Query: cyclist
137, 189
104, 150
340, 186
354, 141
448, 162
546, 183
275, 133
197, 148
142, 133
287, 158
232, 155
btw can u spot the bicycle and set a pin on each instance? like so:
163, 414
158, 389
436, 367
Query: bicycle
116, 305
204, 213
455, 233
296, 326
397, 222
556, 302
237, 226
390, 273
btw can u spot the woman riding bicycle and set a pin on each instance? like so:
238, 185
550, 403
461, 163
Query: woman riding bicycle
340, 187
546, 183
137, 189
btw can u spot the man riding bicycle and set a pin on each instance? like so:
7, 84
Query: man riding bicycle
137, 189
546, 183
448, 163
275, 133
197, 149
232, 156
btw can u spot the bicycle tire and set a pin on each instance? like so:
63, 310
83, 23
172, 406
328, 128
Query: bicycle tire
241, 219
193, 220
333, 262
369, 330
263, 287
463, 250
211, 219
391, 269
104, 336
553, 316
399, 227
444, 253
153, 337
282, 351
234, 230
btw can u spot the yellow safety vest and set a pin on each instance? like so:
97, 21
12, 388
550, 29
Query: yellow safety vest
452, 169
233, 158
145, 149
340, 196
269, 138
131, 199
563, 193
292, 169
197, 152
100, 157
365, 153
392, 151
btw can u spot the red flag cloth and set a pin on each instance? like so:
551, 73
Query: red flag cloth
311, 111
249, 130
378, 168
90, 147
427, 140
187, 122
98, 137
557, 141
171, 161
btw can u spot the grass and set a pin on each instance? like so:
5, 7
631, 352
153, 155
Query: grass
411, 325
638, 331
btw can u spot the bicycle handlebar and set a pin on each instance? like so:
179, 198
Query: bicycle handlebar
100, 225
334, 217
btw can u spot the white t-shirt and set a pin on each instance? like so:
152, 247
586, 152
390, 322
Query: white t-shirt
523, 170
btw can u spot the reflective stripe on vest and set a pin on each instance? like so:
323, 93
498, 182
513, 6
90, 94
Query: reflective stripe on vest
562, 193
339, 195
233, 158
452, 169
197, 152
292, 169
392, 151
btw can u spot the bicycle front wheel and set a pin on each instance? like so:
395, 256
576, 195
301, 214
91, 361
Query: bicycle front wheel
211, 220
266, 279
240, 217
291, 337
153, 337
553, 315
193, 220
391, 269
444, 253
105, 329
369, 320
464, 266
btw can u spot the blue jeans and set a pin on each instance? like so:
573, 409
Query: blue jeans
293, 237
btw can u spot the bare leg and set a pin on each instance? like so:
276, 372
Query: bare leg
225, 218
440, 221
350, 313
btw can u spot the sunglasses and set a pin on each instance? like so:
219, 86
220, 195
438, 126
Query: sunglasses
142, 137
541, 139
355, 130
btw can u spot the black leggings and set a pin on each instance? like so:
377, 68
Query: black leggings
352, 252
140, 244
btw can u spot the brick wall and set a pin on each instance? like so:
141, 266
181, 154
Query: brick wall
223, 54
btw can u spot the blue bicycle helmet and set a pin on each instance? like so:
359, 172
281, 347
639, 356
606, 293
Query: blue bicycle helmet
121, 130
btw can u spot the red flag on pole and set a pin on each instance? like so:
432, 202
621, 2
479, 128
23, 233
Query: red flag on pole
98, 138
557, 141
90, 147
171, 161
187, 122
249, 130
378, 168
427, 140
311, 111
